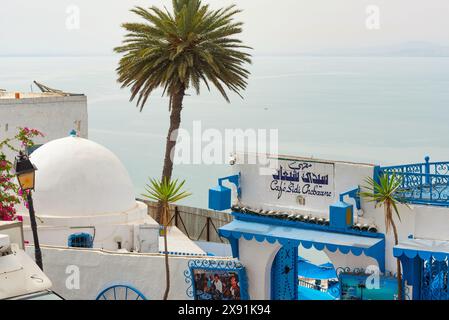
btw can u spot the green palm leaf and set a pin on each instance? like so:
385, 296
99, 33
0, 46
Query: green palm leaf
181, 49
387, 192
165, 192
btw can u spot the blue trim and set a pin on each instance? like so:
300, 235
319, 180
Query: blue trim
139, 294
412, 269
175, 253
377, 173
303, 225
354, 194
235, 180
235, 247
423, 255
377, 251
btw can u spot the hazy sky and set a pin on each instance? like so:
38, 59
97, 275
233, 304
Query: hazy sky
39, 27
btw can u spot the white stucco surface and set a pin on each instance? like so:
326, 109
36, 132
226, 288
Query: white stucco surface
82, 187
178, 242
258, 258
81, 274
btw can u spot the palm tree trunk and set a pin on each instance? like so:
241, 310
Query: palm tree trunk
175, 123
167, 266
398, 262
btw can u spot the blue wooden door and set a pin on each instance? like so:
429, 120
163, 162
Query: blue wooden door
284, 274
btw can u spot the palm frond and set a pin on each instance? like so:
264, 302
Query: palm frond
165, 191
386, 192
184, 48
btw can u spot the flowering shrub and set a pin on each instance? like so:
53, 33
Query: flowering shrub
10, 193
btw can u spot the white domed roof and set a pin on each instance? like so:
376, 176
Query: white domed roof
78, 177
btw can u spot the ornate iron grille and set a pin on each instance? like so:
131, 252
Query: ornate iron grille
423, 183
434, 282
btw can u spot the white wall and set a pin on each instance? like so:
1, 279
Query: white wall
109, 229
55, 116
258, 258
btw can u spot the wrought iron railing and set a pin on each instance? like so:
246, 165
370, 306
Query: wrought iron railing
423, 183
309, 285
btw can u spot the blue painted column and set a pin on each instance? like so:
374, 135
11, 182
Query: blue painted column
234, 247
412, 269
427, 170
376, 174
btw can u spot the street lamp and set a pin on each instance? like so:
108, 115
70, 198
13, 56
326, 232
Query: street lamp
25, 172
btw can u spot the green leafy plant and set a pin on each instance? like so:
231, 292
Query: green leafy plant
166, 192
387, 193
178, 50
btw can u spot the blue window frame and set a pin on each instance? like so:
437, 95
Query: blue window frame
80, 240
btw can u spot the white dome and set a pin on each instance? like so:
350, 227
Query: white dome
78, 177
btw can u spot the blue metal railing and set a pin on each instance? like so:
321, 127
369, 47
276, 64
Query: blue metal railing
423, 183
309, 285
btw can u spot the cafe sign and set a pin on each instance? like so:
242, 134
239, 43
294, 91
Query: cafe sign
303, 179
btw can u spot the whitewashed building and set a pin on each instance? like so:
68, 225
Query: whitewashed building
289, 205
54, 114
97, 241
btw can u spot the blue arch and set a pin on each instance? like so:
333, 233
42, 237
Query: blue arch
130, 293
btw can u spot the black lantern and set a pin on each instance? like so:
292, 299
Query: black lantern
25, 172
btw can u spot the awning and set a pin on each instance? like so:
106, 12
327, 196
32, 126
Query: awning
345, 243
311, 271
423, 248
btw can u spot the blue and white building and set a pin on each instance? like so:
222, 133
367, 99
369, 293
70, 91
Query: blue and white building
291, 205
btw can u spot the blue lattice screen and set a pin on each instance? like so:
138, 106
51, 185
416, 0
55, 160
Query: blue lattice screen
434, 282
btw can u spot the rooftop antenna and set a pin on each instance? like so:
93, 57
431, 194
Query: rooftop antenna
46, 89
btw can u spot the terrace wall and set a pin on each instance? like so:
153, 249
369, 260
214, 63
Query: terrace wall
194, 221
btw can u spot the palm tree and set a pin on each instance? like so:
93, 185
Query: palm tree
180, 50
165, 192
386, 193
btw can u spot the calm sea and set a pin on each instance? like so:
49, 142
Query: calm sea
377, 110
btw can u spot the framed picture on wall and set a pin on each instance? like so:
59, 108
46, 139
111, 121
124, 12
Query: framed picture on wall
218, 280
